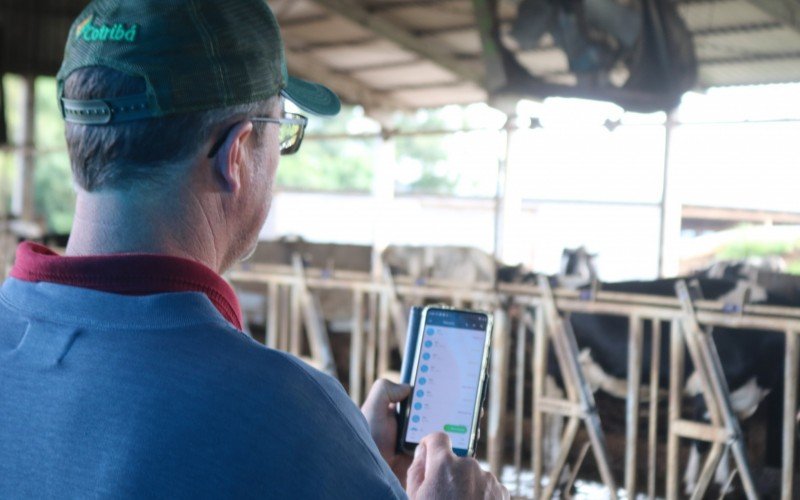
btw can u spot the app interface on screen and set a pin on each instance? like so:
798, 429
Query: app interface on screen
447, 378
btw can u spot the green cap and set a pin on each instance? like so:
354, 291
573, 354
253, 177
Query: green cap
194, 55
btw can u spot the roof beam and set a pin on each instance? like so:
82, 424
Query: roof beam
785, 11
743, 28
433, 52
346, 87
751, 58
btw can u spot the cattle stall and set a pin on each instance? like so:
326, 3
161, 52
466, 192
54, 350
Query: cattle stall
378, 330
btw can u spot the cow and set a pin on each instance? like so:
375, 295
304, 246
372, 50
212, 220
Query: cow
751, 360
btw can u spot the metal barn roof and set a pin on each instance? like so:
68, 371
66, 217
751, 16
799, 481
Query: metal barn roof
426, 53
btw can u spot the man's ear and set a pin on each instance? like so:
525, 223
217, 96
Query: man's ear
229, 160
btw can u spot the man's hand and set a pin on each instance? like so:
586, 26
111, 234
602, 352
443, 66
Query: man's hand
437, 473
379, 409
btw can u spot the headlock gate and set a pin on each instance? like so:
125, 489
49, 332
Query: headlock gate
378, 302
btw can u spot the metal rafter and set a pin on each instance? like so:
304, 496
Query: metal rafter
346, 87
403, 38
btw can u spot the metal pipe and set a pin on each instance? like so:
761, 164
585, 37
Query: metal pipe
669, 127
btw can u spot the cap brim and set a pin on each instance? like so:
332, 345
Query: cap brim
312, 97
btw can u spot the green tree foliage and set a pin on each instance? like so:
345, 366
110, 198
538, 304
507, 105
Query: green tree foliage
424, 157
341, 164
55, 196
338, 164
330, 164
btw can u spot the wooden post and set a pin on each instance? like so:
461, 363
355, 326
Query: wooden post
284, 292
295, 320
318, 341
357, 348
497, 391
652, 429
539, 370
372, 332
397, 310
792, 358
383, 334
677, 360
519, 399
632, 402
273, 305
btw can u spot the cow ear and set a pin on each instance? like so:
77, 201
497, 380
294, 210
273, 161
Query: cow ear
585, 355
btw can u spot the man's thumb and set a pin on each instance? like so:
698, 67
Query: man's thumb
416, 472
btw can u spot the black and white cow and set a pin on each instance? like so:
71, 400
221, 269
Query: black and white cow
751, 360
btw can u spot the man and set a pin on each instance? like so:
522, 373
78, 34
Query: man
123, 370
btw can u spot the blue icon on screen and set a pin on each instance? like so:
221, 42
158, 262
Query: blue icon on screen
415, 418
424, 368
426, 356
420, 393
423, 381
428, 343
417, 406
430, 331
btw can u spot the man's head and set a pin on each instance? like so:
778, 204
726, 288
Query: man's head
182, 100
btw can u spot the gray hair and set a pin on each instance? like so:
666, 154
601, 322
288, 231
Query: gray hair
123, 155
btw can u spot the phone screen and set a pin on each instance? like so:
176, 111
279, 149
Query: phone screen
447, 376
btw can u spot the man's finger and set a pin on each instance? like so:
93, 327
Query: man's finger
384, 393
439, 446
416, 472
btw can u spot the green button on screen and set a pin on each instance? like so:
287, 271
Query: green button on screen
458, 429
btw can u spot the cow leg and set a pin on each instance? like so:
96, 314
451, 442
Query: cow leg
692, 470
696, 448
554, 425
723, 471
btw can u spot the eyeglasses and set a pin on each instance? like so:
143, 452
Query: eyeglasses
292, 129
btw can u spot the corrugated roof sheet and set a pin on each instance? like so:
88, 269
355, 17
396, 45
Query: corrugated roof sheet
737, 43
421, 53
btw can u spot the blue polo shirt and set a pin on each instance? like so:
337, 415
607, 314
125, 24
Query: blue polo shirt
115, 395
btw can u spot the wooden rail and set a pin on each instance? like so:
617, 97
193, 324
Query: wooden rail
374, 299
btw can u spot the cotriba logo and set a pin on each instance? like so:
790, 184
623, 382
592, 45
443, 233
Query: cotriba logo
117, 32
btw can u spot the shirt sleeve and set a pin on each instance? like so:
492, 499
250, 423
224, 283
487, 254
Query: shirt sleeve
346, 459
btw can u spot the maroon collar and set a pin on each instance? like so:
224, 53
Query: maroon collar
127, 274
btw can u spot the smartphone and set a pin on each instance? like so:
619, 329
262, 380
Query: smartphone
448, 376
